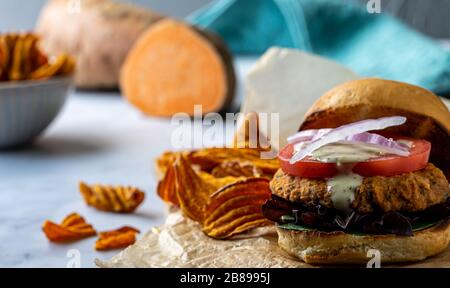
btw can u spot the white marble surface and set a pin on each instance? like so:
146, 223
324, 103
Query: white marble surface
97, 138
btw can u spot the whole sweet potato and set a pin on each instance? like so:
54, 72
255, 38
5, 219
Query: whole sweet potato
99, 33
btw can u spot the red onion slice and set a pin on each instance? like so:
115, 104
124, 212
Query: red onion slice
307, 135
389, 145
347, 130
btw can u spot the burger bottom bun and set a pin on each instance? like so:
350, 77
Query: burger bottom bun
317, 247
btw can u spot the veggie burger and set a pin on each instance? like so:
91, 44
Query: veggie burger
368, 169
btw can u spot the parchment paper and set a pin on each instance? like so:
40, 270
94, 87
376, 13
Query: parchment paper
180, 243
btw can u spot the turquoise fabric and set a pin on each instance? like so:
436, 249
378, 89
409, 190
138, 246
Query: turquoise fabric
375, 45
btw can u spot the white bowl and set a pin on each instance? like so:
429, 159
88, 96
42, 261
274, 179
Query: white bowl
28, 107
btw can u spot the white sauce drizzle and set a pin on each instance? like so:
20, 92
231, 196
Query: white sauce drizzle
343, 186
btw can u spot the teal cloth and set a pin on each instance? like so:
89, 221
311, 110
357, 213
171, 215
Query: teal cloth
373, 45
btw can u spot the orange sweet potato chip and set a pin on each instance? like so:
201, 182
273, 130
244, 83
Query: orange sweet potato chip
225, 194
29, 44
236, 168
116, 239
247, 187
224, 206
21, 58
191, 190
63, 64
4, 58
222, 161
210, 158
237, 225
120, 199
15, 71
72, 228
194, 188
165, 161
236, 208
167, 186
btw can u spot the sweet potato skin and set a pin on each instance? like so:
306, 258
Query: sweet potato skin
222, 49
174, 66
99, 35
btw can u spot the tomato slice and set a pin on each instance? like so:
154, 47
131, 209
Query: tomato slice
389, 165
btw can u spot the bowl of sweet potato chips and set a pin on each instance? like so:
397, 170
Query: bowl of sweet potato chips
33, 87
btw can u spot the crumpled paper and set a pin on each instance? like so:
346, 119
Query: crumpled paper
180, 243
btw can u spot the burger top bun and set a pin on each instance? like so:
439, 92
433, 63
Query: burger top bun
428, 117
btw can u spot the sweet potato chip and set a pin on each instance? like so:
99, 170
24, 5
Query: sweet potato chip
29, 44
236, 208
194, 188
61, 64
250, 186
68, 66
229, 216
223, 206
72, 228
4, 57
236, 168
236, 225
21, 58
7, 45
209, 158
15, 71
116, 239
120, 199
223, 161
232, 204
37, 56
167, 186
192, 191
166, 160
224, 194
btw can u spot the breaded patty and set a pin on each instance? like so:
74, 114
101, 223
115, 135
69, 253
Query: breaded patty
408, 192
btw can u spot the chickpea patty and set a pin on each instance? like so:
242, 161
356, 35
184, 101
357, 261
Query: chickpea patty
408, 192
